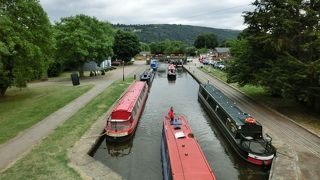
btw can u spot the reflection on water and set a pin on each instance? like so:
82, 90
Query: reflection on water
119, 149
141, 158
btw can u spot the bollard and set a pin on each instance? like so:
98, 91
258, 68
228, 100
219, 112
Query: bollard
134, 77
208, 81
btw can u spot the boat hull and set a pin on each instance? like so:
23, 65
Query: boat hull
181, 155
125, 135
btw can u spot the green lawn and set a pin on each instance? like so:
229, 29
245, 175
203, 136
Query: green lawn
49, 160
20, 109
215, 72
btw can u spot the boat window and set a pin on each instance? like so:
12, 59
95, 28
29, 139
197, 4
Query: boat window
203, 92
211, 101
118, 126
231, 126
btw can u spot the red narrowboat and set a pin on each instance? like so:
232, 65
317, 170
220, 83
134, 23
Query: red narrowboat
124, 118
171, 72
182, 157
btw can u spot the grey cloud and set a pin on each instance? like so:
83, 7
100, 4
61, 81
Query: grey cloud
210, 13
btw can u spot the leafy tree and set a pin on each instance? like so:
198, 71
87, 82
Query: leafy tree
208, 40
191, 51
280, 49
144, 47
81, 39
26, 43
126, 45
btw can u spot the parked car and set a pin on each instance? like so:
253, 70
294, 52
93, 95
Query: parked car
219, 65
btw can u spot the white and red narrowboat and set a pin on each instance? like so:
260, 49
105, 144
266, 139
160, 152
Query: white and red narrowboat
124, 118
182, 157
171, 72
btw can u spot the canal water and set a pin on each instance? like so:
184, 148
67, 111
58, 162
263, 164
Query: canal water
140, 158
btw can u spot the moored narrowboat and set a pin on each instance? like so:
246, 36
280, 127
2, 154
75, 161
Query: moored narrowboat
124, 118
182, 157
241, 130
147, 76
154, 64
171, 74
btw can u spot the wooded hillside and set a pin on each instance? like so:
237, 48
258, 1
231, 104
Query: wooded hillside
159, 32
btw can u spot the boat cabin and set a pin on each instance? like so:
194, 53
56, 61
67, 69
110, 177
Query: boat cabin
128, 110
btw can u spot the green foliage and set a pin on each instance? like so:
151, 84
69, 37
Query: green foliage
168, 47
26, 43
191, 51
144, 47
280, 49
185, 33
207, 40
81, 39
126, 45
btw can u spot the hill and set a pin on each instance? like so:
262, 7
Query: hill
186, 33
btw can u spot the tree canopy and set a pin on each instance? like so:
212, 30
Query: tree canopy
81, 39
280, 49
207, 40
26, 43
168, 47
126, 45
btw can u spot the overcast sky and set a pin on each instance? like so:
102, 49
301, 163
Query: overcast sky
210, 13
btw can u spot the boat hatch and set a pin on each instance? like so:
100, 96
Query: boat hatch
179, 135
176, 123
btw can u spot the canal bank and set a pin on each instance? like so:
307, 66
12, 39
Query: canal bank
297, 149
140, 158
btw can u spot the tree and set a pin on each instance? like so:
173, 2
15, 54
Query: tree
126, 45
26, 43
208, 40
191, 51
144, 47
280, 49
81, 39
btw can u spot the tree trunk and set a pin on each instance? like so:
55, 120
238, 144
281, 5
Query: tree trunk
81, 73
3, 90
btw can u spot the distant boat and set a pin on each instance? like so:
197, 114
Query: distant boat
171, 72
242, 131
182, 157
147, 76
154, 64
124, 118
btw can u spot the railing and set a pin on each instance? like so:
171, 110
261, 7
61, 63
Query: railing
249, 139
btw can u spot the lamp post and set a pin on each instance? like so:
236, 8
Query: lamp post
122, 70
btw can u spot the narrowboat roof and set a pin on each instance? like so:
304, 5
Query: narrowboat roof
186, 157
129, 99
236, 114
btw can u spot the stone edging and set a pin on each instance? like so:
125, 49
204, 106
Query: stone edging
85, 165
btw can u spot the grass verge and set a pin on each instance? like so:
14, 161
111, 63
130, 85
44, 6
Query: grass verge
297, 112
20, 109
49, 160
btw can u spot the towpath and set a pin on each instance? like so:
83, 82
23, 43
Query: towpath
298, 150
15, 148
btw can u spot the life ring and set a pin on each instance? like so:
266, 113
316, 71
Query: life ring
250, 120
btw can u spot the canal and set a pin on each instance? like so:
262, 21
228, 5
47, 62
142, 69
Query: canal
141, 159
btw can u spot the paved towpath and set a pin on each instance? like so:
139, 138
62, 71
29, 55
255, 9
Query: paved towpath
298, 150
15, 148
